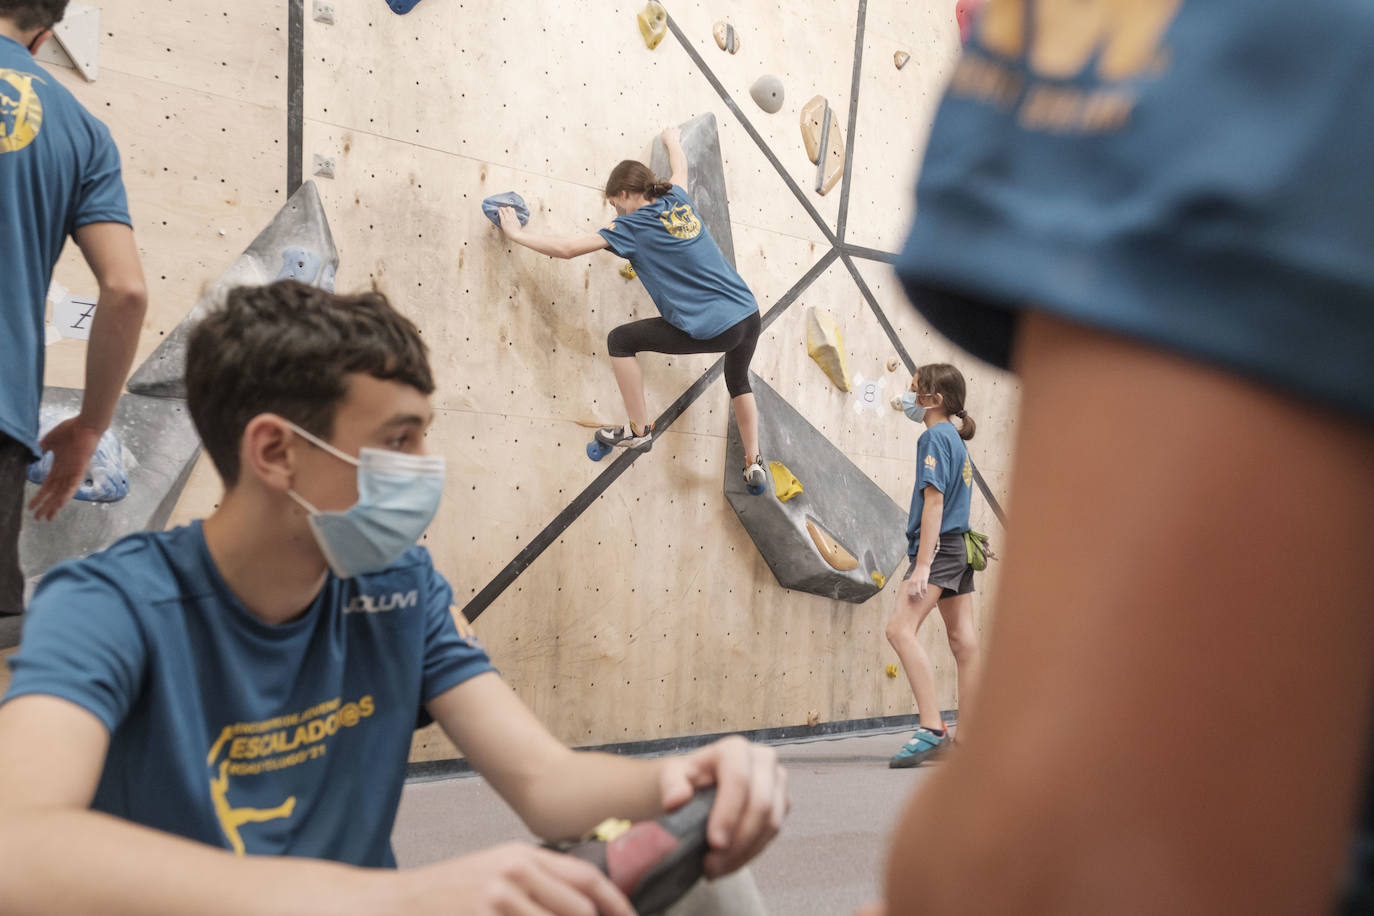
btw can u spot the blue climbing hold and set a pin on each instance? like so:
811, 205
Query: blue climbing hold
596, 451
401, 7
492, 204
106, 481
299, 264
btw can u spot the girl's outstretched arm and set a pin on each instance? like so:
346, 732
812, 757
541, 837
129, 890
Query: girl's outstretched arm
677, 159
552, 245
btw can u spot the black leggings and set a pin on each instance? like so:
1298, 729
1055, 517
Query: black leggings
658, 336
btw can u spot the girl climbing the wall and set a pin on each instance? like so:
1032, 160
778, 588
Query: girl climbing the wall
705, 305
939, 575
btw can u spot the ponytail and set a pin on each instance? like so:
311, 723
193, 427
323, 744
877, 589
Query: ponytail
966, 425
637, 178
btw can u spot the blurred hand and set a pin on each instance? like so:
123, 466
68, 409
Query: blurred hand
672, 135
72, 444
751, 798
873, 909
511, 880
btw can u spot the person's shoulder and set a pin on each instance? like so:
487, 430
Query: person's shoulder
140, 568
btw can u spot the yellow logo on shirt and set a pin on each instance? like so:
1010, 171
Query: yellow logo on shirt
968, 473
1123, 37
21, 110
255, 748
681, 222
930, 462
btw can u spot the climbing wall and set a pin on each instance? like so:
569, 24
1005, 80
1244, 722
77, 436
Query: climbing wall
622, 605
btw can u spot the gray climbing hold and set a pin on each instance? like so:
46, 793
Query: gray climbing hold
727, 39
107, 479
156, 431
296, 243
767, 93
841, 512
493, 204
705, 178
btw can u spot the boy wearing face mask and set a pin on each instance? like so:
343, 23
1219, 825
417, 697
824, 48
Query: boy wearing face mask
251, 682
939, 574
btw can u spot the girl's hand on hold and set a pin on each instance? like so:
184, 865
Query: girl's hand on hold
672, 135
919, 582
510, 222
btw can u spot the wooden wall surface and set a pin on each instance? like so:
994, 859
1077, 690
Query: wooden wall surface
652, 615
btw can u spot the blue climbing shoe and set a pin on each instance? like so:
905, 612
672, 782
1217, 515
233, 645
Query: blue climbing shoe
924, 745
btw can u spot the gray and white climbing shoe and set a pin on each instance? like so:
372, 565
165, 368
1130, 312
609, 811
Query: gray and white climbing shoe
755, 476
624, 437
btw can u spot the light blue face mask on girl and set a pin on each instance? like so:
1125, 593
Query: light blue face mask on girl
398, 495
911, 408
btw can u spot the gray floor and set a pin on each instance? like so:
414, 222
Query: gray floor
826, 861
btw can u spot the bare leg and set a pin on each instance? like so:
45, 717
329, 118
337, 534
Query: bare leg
747, 416
631, 381
968, 655
906, 620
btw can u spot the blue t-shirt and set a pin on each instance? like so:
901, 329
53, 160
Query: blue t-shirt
694, 287
1190, 174
59, 171
274, 740
941, 462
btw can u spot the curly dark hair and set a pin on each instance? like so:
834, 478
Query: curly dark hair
288, 349
33, 14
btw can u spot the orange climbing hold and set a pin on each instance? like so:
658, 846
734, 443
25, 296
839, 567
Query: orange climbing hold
830, 548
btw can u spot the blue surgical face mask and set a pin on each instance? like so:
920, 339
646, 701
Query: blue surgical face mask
911, 408
398, 495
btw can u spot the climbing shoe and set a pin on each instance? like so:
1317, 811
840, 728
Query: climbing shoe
654, 863
923, 745
624, 437
755, 477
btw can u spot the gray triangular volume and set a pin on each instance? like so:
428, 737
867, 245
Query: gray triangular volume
705, 178
838, 502
160, 448
297, 243
79, 35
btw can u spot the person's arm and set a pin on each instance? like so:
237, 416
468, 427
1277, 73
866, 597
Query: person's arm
59, 857
677, 159
552, 245
110, 251
1191, 620
932, 517
560, 793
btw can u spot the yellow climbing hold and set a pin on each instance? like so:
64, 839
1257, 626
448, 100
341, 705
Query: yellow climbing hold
891, 670
628, 271
784, 481
825, 343
653, 23
610, 829
879, 579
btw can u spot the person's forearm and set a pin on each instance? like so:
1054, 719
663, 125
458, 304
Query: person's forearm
677, 159
585, 788
83, 862
932, 515
110, 352
551, 245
